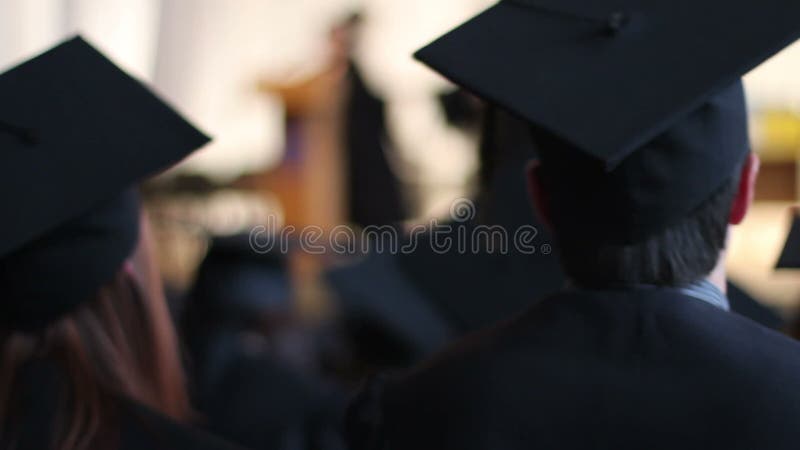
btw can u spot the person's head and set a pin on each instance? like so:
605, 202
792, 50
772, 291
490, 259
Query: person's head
656, 122
236, 288
79, 303
684, 251
117, 346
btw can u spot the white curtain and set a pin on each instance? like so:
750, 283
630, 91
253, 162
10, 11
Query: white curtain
125, 30
776, 84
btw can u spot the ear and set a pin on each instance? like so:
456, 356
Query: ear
747, 190
536, 193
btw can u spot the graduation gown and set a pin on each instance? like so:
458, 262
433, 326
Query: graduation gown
374, 191
632, 369
257, 400
40, 396
140, 429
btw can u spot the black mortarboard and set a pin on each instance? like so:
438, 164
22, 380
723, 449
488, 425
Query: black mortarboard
376, 292
237, 279
790, 256
77, 134
646, 94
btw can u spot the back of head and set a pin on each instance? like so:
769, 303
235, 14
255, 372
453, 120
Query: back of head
652, 110
117, 347
72, 313
685, 250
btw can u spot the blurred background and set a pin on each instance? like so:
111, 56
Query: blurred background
321, 117
267, 78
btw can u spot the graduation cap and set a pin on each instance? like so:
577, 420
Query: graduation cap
76, 134
375, 291
790, 256
237, 279
642, 97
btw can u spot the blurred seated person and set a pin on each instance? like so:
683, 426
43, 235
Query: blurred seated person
252, 365
397, 308
89, 355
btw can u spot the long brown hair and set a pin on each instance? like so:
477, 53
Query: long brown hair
120, 345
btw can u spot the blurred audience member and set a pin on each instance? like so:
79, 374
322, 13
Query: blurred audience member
743, 303
253, 367
398, 308
374, 193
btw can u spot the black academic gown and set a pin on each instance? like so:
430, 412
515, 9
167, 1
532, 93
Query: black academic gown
144, 429
639, 369
261, 402
39, 397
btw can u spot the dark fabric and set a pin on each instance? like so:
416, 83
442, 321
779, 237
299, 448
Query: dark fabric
659, 184
472, 290
385, 311
427, 296
580, 84
98, 131
246, 248
83, 133
476, 288
240, 279
249, 361
40, 393
145, 429
74, 260
373, 189
790, 255
743, 303
251, 396
644, 97
643, 369
262, 403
